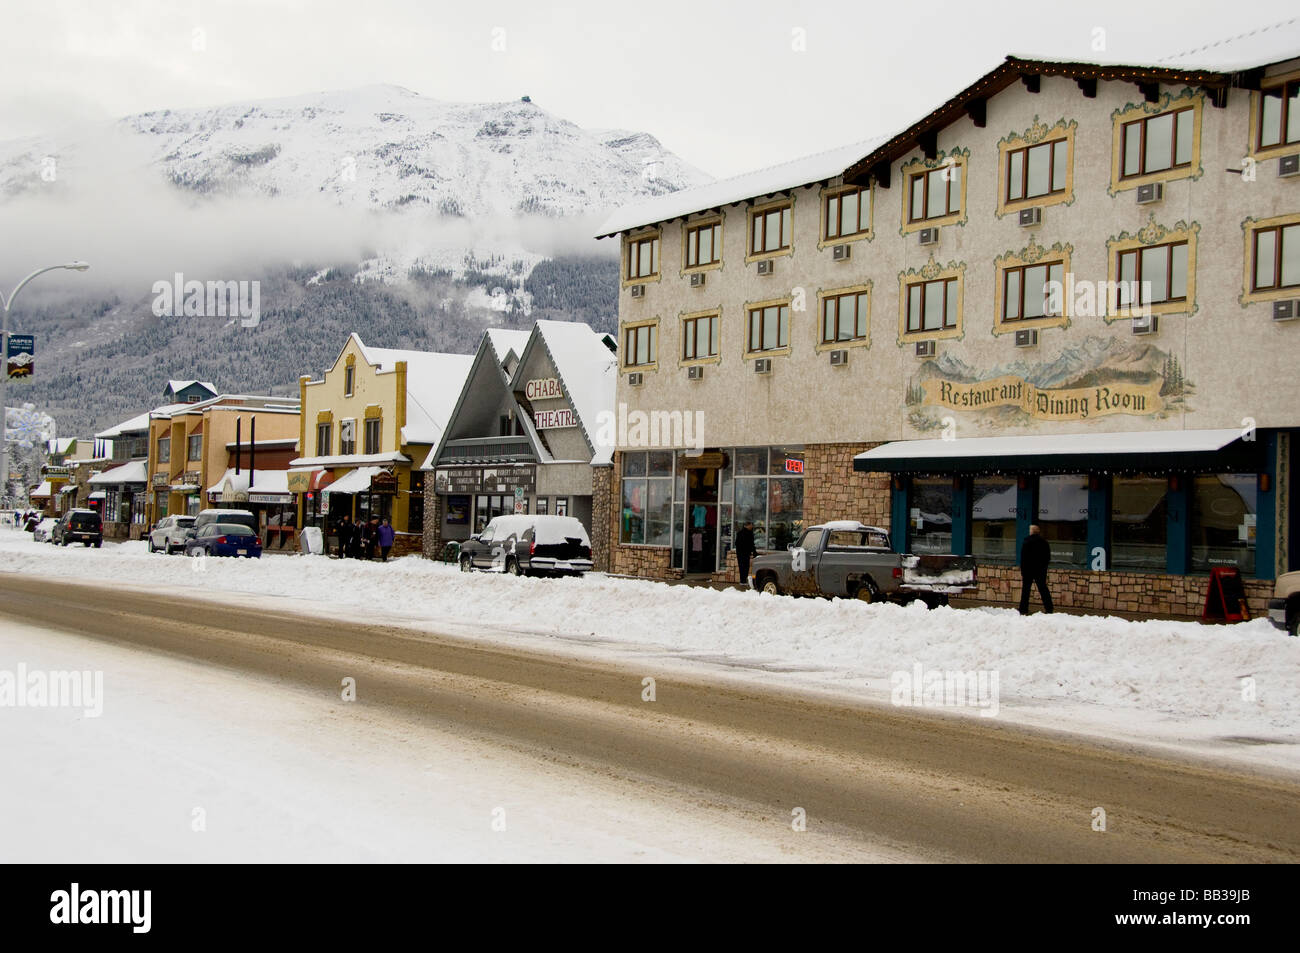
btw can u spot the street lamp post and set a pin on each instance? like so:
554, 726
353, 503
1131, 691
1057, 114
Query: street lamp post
4, 355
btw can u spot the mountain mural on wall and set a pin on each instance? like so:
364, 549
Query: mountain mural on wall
1095, 377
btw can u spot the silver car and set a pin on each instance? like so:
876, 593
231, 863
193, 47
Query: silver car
168, 534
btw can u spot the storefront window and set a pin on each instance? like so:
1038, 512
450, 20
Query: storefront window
1137, 523
647, 498
993, 519
784, 511
931, 515
415, 503
487, 508
1223, 521
1063, 518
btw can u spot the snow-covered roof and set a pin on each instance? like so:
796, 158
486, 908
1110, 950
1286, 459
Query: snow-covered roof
505, 340
177, 386
133, 472
43, 490
1102, 444
264, 481
1263, 46
355, 481
349, 460
588, 372
433, 384
62, 444
740, 188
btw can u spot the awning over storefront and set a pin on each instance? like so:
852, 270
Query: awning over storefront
308, 479
1222, 450
98, 495
43, 491
356, 481
268, 486
133, 472
69, 488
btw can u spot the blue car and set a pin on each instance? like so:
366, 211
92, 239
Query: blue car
224, 539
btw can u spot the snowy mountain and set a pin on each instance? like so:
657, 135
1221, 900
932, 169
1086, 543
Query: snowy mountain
385, 147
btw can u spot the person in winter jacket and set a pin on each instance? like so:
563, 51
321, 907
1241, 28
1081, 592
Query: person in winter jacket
385, 536
745, 551
346, 533
1035, 555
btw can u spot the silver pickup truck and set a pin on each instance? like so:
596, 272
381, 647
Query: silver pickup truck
849, 560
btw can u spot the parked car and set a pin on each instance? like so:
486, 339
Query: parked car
1284, 607
850, 560
529, 546
168, 534
79, 526
224, 539
242, 517
43, 530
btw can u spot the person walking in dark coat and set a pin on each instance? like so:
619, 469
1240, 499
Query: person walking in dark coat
745, 551
1035, 555
385, 536
344, 531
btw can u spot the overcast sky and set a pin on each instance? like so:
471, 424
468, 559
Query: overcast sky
727, 86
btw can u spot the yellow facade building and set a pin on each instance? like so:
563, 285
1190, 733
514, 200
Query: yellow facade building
366, 427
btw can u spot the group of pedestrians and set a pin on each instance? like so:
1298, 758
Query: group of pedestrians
364, 540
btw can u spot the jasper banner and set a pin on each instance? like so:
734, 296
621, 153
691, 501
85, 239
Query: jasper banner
1076, 403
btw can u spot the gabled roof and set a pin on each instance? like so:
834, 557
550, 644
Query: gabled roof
177, 386
433, 383
139, 422
1235, 61
587, 371
495, 345
819, 167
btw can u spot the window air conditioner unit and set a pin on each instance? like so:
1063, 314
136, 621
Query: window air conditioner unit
925, 349
765, 267
1288, 166
1151, 193
697, 281
634, 379
695, 373
638, 291
1026, 339
929, 236
763, 365
1029, 217
839, 358
1145, 324
1287, 310
840, 252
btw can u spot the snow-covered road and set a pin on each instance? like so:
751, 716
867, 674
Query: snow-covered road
1228, 691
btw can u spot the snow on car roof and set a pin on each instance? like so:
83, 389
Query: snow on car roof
549, 529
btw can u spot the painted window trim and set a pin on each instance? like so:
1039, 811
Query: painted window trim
1249, 227
630, 240
788, 302
626, 326
931, 271
820, 346
961, 159
366, 426
716, 219
1032, 254
681, 337
1169, 102
765, 207
1036, 135
830, 192
1150, 234
1282, 148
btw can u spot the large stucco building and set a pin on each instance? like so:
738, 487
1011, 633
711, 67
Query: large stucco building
866, 334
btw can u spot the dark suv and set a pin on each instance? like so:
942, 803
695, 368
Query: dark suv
78, 526
529, 546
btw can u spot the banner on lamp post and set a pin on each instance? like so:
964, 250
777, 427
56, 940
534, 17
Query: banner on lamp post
21, 356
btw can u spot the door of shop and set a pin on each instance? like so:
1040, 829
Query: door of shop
700, 531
